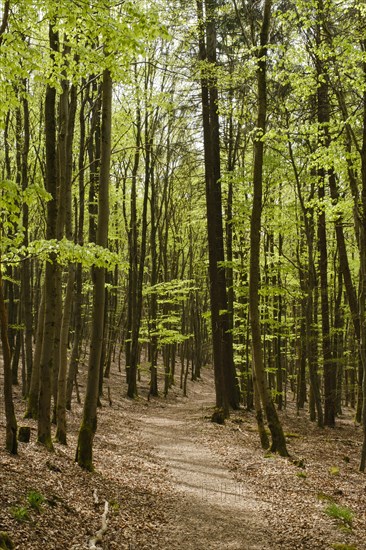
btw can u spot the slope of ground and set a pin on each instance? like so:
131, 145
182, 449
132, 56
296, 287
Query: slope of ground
174, 480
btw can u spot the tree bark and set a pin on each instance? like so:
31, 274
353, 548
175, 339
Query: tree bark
46, 363
226, 386
278, 438
10, 419
68, 114
84, 453
323, 116
362, 297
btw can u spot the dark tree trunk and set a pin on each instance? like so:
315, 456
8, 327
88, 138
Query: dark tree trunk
79, 238
362, 297
131, 359
84, 453
323, 116
25, 270
278, 438
32, 406
153, 344
226, 386
46, 363
10, 419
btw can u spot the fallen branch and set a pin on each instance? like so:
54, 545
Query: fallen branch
99, 534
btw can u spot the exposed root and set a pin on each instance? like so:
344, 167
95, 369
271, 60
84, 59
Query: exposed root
99, 534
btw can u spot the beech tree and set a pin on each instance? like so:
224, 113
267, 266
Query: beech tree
278, 438
225, 380
89, 423
236, 229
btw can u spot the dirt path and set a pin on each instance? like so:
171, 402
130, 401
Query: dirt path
209, 509
176, 481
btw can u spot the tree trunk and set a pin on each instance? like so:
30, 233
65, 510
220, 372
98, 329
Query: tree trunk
32, 406
11, 422
79, 238
278, 438
362, 297
323, 116
226, 386
46, 363
84, 453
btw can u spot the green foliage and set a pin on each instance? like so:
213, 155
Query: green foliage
342, 546
302, 475
5, 541
334, 471
64, 252
115, 507
20, 513
341, 513
35, 500
171, 295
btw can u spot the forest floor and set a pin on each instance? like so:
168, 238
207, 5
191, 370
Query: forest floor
174, 480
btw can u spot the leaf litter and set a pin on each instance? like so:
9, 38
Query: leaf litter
173, 479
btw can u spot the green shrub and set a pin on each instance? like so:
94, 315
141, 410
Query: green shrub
5, 541
341, 513
20, 513
35, 500
341, 546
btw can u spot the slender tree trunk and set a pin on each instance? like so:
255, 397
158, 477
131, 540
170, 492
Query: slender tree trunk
62, 380
153, 344
23, 136
67, 110
32, 406
84, 453
362, 297
323, 115
11, 423
76, 348
131, 367
278, 438
79, 238
46, 363
227, 390
338, 337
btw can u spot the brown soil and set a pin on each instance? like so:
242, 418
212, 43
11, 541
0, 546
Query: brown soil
174, 480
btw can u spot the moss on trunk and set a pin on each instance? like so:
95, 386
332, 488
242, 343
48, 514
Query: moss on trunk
84, 452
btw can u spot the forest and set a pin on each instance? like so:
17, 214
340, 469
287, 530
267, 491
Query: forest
183, 259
